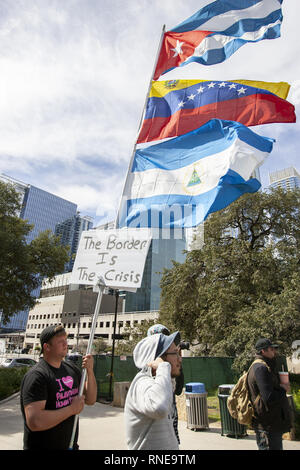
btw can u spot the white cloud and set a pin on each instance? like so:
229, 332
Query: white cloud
294, 94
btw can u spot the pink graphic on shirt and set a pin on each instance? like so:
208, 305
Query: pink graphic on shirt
61, 388
65, 397
68, 381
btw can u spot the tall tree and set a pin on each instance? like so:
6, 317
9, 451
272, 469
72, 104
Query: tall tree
23, 265
244, 282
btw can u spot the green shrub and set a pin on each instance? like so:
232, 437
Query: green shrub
10, 380
213, 405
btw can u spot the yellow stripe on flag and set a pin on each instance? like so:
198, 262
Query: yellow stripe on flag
162, 87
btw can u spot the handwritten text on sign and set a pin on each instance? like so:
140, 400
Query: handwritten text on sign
117, 255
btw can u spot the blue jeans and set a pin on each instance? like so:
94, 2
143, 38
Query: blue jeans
268, 440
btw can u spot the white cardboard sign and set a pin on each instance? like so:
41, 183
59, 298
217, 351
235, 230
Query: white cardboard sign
118, 256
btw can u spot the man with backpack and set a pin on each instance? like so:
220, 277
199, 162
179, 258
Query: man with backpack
271, 408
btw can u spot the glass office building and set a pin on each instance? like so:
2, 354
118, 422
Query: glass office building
160, 255
70, 232
44, 210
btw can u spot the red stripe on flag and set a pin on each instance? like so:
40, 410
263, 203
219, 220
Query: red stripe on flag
250, 110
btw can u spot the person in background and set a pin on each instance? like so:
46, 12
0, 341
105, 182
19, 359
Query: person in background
148, 405
49, 394
178, 382
272, 414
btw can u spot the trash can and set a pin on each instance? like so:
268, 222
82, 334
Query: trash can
230, 426
196, 406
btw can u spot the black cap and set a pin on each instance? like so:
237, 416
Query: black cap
49, 332
264, 343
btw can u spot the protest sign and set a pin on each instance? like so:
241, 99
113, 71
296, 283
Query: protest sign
118, 256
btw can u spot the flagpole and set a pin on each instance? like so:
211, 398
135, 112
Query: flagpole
117, 293
100, 287
151, 79
141, 120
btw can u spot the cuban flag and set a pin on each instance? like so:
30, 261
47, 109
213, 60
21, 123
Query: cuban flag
217, 30
179, 182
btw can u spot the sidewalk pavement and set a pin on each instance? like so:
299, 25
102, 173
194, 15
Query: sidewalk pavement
101, 427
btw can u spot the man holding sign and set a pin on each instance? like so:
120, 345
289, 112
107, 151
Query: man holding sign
49, 394
53, 392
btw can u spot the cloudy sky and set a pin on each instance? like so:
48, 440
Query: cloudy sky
73, 82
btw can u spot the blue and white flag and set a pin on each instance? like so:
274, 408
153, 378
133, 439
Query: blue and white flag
179, 182
217, 30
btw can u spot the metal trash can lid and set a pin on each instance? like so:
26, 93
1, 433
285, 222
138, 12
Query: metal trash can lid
225, 389
195, 387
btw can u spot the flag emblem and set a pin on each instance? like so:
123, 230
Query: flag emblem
192, 181
169, 84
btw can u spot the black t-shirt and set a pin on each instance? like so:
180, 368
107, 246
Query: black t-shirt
57, 386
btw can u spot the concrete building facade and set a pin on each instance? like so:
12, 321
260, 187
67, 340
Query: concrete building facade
73, 306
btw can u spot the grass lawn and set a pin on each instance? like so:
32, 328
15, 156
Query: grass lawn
213, 405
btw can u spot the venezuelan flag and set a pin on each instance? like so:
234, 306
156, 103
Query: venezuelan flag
176, 107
